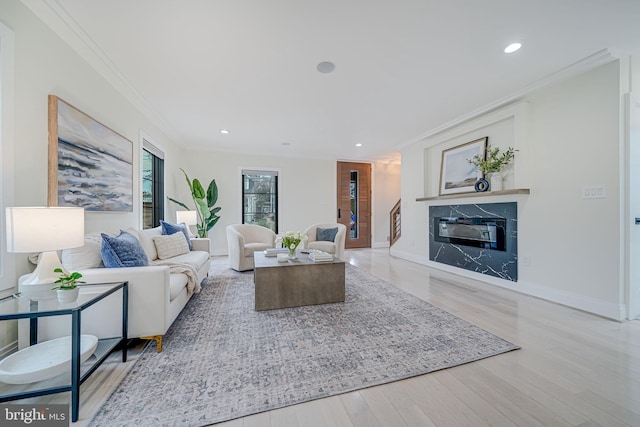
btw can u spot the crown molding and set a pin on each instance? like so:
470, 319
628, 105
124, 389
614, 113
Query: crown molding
55, 16
590, 62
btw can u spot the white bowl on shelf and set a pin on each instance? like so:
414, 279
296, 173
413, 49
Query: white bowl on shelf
44, 360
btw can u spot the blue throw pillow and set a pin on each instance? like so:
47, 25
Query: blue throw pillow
124, 250
168, 228
326, 234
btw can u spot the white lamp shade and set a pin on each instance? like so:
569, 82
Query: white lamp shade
188, 217
41, 229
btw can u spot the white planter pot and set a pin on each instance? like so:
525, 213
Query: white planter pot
495, 182
66, 296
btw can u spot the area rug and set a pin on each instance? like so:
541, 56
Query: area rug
222, 359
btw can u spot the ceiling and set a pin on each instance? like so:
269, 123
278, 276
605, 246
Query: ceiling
403, 68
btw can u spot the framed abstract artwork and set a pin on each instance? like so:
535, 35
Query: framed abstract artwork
90, 165
457, 175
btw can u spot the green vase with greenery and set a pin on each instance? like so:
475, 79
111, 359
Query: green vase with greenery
493, 164
494, 161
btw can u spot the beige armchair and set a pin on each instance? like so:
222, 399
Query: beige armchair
245, 239
335, 247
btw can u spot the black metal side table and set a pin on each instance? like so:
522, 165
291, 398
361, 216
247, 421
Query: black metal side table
20, 307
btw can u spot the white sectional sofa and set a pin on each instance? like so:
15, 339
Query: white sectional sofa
157, 292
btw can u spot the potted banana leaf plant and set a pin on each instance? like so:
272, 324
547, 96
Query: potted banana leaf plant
205, 204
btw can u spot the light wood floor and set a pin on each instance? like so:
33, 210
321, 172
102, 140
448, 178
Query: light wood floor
574, 369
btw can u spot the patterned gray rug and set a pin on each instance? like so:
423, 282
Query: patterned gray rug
222, 360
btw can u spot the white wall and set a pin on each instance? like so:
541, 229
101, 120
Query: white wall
568, 137
8, 329
307, 189
420, 174
45, 65
632, 103
386, 185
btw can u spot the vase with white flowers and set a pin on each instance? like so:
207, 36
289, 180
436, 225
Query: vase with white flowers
291, 240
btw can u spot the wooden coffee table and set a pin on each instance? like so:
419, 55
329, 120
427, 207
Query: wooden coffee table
296, 282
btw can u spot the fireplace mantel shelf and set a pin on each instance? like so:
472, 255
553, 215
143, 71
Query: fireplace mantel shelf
479, 194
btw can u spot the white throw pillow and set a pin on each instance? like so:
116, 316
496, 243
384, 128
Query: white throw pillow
171, 245
84, 257
146, 240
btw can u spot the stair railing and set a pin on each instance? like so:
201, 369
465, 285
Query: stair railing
394, 217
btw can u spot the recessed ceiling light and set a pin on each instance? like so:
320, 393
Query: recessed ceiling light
326, 67
512, 47
224, 131
358, 145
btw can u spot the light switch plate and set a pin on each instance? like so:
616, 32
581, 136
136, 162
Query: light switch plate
594, 192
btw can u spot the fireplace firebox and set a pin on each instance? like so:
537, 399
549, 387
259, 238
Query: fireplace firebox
487, 233
479, 237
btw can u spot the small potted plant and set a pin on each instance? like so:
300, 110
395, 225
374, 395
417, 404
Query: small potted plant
67, 290
493, 164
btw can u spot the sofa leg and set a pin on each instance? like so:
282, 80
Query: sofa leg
157, 339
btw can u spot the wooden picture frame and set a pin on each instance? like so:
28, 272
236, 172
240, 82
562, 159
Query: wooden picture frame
457, 175
90, 165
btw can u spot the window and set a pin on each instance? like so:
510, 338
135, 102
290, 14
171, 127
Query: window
152, 185
353, 195
260, 198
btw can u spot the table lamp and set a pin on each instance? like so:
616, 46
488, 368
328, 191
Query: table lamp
46, 230
188, 217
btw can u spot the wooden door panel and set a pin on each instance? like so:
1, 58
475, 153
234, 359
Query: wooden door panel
354, 203
344, 200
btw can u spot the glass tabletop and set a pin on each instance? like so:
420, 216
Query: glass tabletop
18, 306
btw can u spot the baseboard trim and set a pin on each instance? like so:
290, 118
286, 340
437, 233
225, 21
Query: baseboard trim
591, 305
409, 256
378, 245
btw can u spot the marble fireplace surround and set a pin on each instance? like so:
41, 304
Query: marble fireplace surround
492, 262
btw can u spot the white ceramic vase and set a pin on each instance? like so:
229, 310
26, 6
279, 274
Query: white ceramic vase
495, 181
66, 296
